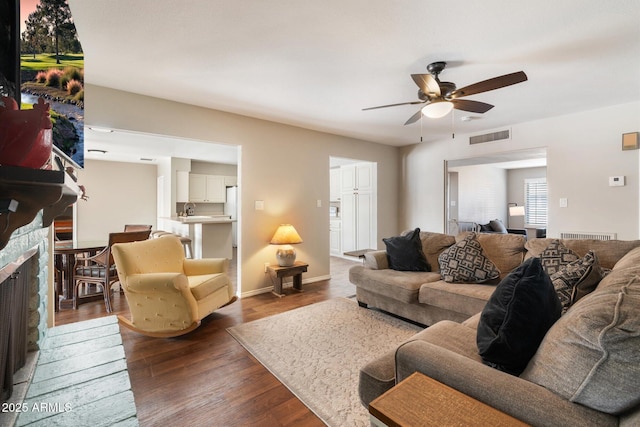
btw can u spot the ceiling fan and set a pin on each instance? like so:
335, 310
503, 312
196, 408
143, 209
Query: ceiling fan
441, 97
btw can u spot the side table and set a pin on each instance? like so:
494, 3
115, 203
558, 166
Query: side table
278, 273
421, 401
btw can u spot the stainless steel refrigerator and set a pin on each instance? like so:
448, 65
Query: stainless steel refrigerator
231, 209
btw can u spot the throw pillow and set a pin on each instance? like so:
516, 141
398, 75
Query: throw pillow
405, 252
577, 279
517, 316
497, 226
556, 256
466, 262
590, 356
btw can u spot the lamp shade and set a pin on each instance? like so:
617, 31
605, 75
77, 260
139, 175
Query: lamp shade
286, 234
435, 110
516, 210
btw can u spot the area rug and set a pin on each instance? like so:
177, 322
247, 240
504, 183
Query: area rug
317, 352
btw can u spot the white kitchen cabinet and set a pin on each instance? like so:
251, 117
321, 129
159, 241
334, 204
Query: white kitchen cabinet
230, 181
335, 237
207, 188
334, 184
182, 186
358, 206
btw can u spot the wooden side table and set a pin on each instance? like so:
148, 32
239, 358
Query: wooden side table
421, 401
278, 273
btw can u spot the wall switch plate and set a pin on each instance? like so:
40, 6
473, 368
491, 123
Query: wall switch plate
259, 205
319, 203
564, 202
616, 181
266, 266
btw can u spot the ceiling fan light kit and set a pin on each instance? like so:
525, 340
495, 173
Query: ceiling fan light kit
435, 110
442, 97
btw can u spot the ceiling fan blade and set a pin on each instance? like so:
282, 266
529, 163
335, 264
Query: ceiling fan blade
427, 84
394, 105
491, 84
414, 118
471, 106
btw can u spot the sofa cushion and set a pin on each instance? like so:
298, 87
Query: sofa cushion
516, 318
433, 244
465, 298
555, 256
466, 262
577, 279
590, 356
402, 286
204, 285
506, 251
608, 251
405, 252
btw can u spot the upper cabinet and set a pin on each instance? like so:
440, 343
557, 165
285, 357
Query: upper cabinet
207, 188
334, 184
357, 177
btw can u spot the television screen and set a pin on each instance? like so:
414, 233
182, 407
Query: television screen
52, 68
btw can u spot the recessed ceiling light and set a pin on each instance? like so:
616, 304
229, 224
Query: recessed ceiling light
95, 150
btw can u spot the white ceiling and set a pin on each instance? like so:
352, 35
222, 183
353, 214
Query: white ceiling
317, 64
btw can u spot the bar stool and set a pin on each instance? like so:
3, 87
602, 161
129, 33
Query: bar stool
186, 241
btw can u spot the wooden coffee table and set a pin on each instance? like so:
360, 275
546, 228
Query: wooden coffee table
421, 401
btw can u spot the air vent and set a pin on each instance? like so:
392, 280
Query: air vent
579, 235
494, 136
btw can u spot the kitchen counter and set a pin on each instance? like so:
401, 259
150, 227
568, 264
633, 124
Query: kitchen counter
211, 235
202, 219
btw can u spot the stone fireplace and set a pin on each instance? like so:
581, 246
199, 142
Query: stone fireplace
28, 244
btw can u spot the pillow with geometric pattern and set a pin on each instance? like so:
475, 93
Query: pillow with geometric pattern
577, 279
466, 262
556, 256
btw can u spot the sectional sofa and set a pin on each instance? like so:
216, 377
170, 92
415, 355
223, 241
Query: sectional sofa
584, 371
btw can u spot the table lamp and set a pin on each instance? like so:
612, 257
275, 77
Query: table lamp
286, 235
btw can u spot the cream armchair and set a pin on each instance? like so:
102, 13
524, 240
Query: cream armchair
169, 294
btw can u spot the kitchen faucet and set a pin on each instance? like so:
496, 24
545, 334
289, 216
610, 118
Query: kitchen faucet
188, 211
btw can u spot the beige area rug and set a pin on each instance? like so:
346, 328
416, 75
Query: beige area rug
317, 352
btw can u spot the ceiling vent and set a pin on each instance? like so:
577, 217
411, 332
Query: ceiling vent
488, 137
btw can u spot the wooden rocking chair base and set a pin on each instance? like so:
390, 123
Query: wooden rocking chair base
160, 334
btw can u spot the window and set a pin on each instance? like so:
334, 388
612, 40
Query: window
535, 202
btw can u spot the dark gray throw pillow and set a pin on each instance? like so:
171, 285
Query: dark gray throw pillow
517, 316
405, 252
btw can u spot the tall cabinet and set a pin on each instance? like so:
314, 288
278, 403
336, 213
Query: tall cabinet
358, 190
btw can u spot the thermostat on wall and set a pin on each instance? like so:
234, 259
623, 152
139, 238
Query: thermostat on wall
616, 181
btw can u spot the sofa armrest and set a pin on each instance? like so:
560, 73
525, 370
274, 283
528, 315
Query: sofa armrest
519, 398
196, 267
376, 260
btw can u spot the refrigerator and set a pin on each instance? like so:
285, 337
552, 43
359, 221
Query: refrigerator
231, 209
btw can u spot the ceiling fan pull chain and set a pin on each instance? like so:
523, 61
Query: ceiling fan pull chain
421, 116
453, 124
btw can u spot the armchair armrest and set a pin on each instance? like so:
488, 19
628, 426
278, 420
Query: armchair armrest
196, 267
376, 260
519, 398
163, 302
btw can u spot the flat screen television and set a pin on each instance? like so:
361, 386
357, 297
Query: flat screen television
52, 67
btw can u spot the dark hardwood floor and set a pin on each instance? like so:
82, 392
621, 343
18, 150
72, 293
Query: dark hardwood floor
206, 378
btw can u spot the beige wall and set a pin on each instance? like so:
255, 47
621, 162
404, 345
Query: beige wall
285, 166
119, 194
583, 151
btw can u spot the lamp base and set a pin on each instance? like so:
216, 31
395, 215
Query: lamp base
286, 256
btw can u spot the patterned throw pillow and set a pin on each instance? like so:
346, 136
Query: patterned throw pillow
466, 262
556, 256
577, 279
